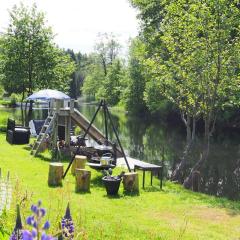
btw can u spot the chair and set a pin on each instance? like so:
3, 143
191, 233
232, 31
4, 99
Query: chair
17, 134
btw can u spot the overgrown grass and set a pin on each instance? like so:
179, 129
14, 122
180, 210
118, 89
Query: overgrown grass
173, 213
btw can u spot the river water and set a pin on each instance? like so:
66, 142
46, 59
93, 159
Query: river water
158, 141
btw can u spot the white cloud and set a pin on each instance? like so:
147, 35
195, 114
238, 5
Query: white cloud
77, 22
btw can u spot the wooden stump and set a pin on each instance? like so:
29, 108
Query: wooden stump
78, 162
130, 182
55, 174
83, 178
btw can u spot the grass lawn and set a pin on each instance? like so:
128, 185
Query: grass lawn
173, 213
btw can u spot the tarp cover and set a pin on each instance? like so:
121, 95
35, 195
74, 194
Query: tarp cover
47, 94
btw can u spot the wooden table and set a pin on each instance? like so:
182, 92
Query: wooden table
152, 168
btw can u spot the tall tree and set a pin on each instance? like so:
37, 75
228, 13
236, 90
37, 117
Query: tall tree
107, 48
94, 76
104, 61
134, 95
30, 59
77, 78
196, 63
112, 88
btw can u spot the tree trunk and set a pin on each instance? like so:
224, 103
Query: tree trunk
25, 115
179, 172
21, 106
203, 157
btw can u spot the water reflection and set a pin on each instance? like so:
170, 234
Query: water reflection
157, 141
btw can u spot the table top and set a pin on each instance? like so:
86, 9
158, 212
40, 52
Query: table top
146, 166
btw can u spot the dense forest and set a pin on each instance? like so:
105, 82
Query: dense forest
185, 61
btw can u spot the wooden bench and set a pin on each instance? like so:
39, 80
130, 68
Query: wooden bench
152, 168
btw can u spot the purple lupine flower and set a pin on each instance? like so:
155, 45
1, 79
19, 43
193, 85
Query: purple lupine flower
35, 221
34, 208
46, 225
30, 220
46, 237
34, 233
17, 232
27, 235
42, 212
67, 225
16, 235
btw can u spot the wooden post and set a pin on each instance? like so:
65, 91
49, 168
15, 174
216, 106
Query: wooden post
83, 178
72, 106
79, 162
67, 129
55, 174
58, 105
130, 182
51, 107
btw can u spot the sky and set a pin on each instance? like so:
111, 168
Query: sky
76, 23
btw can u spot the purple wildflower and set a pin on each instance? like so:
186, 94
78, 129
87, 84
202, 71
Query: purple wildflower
35, 221
34, 208
30, 220
67, 225
46, 226
42, 212
34, 233
46, 237
16, 235
17, 232
27, 235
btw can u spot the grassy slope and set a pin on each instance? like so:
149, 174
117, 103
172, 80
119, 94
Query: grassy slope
173, 213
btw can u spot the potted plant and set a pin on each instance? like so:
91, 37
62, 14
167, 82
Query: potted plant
111, 183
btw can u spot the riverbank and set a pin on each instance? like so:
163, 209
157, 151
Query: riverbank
173, 213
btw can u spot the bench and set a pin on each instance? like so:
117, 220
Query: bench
143, 166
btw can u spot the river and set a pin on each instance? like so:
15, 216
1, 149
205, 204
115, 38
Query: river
159, 141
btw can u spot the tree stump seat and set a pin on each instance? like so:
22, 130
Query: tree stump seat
130, 182
55, 174
83, 178
79, 162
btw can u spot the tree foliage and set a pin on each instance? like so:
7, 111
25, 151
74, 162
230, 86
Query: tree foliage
134, 95
106, 73
29, 58
192, 57
77, 78
107, 49
113, 86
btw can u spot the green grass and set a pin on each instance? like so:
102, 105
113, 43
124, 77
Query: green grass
173, 213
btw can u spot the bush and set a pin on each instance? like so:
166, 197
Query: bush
77, 131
